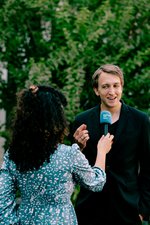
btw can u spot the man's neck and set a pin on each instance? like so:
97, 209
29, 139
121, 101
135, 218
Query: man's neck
115, 111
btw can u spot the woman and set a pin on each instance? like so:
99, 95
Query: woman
41, 167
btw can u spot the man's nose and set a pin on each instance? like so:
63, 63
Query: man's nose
111, 90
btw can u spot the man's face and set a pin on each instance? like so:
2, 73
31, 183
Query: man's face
109, 89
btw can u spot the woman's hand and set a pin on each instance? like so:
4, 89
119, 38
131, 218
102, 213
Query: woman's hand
105, 143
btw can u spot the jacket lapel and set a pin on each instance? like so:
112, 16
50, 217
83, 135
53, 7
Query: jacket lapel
122, 121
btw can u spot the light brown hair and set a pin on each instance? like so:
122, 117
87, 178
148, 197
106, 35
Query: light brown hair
107, 68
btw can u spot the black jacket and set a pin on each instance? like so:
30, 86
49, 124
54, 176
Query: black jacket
126, 193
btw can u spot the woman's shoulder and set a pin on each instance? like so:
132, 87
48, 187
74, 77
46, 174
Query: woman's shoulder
72, 147
68, 150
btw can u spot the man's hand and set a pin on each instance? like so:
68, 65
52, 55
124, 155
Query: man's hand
81, 136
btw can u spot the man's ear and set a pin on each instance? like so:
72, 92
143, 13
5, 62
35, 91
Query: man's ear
96, 91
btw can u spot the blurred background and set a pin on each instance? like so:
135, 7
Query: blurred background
63, 42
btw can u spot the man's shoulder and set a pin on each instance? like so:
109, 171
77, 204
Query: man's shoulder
88, 112
135, 112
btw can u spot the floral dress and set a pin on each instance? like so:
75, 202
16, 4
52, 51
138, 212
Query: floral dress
46, 192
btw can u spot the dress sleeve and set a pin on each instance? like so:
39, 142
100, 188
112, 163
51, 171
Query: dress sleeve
7, 195
92, 178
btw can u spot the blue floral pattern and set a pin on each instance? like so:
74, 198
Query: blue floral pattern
46, 192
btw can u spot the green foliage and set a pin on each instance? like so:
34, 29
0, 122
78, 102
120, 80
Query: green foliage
63, 42
75, 194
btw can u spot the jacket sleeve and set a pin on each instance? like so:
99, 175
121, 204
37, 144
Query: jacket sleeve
144, 170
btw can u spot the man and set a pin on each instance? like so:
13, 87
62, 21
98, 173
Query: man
125, 198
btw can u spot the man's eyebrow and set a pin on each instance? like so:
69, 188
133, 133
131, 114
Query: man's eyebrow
110, 83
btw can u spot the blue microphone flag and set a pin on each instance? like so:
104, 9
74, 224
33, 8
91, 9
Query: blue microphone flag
105, 118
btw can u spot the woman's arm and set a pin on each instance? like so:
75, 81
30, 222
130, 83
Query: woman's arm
92, 178
7, 196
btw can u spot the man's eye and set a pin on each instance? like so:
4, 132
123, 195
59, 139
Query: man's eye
104, 87
117, 85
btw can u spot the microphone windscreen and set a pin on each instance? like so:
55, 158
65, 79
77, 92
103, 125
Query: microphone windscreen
105, 117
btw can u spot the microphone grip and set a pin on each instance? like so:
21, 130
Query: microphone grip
105, 129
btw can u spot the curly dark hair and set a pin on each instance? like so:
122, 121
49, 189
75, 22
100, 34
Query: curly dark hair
39, 126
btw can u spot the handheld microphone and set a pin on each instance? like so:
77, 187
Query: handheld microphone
105, 118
